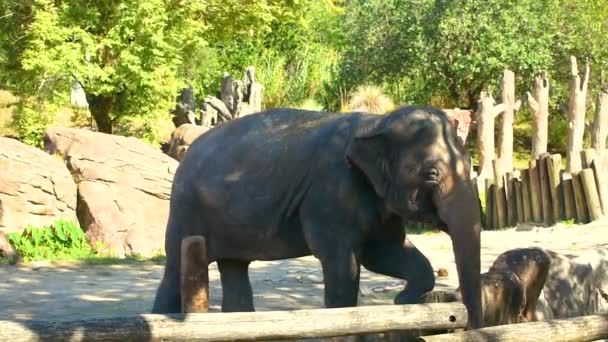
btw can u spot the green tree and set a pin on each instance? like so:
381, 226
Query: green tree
131, 56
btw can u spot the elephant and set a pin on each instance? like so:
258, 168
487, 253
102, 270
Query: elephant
531, 267
286, 183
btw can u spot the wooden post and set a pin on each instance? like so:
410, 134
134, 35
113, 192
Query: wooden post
194, 276
591, 197
506, 123
486, 113
576, 115
600, 179
568, 195
519, 200
587, 157
510, 200
499, 195
537, 215
554, 164
489, 183
539, 102
243, 326
579, 198
578, 329
525, 193
545, 191
599, 129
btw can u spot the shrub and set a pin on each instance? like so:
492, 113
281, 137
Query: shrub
61, 240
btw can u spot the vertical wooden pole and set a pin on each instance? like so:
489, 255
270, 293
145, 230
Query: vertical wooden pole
544, 189
576, 116
600, 179
500, 198
539, 102
587, 157
506, 122
194, 276
591, 196
489, 183
568, 195
510, 199
537, 215
554, 164
519, 200
525, 194
579, 198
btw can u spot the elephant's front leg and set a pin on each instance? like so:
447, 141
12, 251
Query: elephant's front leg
403, 261
341, 277
236, 287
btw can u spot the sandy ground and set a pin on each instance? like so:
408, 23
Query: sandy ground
68, 291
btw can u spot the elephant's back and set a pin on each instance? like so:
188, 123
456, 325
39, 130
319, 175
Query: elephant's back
257, 168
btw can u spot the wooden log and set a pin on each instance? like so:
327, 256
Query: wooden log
510, 196
499, 195
578, 329
539, 102
592, 199
599, 129
579, 198
576, 115
489, 193
554, 164
545, 192
525, 194
519, 200
535, 197
505, 136
485, 115
600, 180
568, 196
194, 275
242, 326
587, 157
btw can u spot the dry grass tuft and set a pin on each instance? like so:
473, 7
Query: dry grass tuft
370, 99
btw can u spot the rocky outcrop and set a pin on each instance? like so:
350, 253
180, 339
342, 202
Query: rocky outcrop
123, 188
182, 137
461, 119
575, 286
35, 188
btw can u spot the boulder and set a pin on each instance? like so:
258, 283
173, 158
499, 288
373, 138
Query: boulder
461, 119
575, 286
182, 137
35, 188
124, 187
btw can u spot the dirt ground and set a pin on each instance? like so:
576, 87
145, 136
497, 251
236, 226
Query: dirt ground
69, 291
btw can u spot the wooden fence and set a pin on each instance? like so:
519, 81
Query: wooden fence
544, 193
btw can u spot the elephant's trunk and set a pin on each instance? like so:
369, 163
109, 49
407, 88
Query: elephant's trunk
459, 210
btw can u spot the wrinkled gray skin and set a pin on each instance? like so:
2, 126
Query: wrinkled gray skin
287, 183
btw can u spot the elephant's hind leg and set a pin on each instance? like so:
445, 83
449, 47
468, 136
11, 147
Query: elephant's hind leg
236, 287
403, 261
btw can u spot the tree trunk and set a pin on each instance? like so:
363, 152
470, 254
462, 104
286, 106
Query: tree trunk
539, 103
101, 107
506, 122
485, 133
576, 116
599, 130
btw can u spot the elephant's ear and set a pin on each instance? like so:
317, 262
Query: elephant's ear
367, 152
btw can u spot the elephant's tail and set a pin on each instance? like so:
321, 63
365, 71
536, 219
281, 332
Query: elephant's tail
194, 274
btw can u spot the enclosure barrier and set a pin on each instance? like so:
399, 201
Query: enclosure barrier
578, 329
242, 326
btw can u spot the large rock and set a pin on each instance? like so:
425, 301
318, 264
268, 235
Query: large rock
461, 119
123, 188
182, 137
575, 286
35, 188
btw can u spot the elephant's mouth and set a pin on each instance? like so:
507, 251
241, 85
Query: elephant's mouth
430, 176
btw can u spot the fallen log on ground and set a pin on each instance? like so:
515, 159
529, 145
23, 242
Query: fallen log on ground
242, 326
